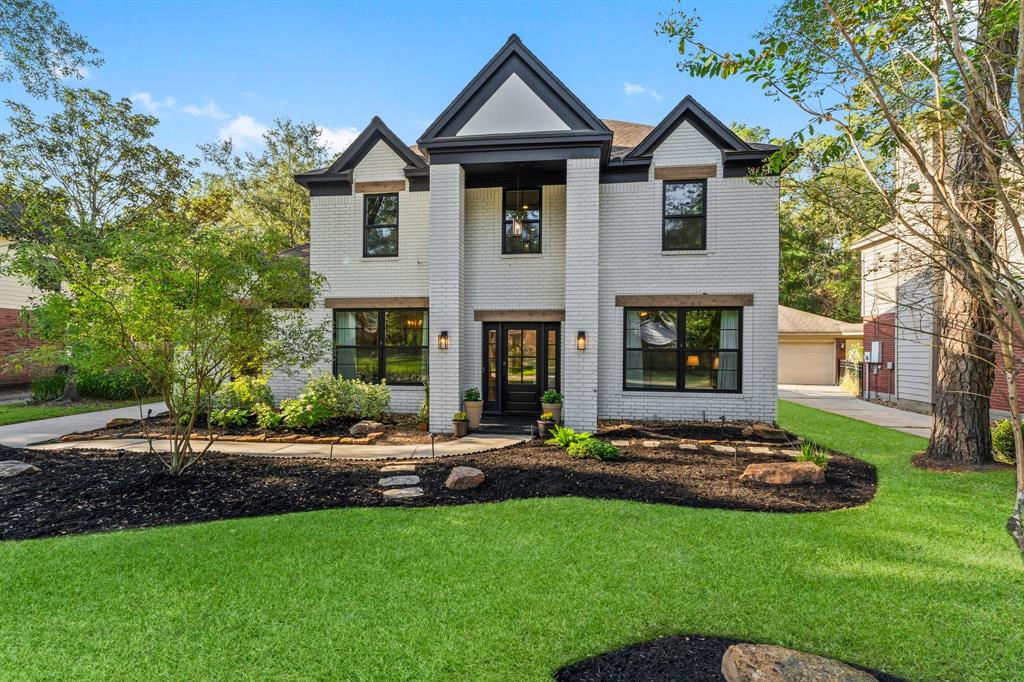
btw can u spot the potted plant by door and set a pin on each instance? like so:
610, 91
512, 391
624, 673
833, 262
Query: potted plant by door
460, 424
544, 424
551, 402
473, 405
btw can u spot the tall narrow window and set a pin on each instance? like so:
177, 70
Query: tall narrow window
683, 349
521, 221
684, 216
380, 225
371, 345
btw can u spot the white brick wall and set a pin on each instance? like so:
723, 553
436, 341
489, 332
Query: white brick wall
380, 163
580, 368
686, 146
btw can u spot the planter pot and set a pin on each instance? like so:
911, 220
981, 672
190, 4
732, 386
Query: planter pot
555, 409
460, 429
543, 427
423, 426
473, 410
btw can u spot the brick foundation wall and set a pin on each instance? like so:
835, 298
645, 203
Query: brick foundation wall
11, 341
880, 328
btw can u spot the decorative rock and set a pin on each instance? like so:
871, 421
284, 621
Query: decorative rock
327, 440
620, 443
120, 423
365, 427
726, 449
13, 467
652, 443
360, 441
767, 432
464, 478
253, 439
402, 493
760, 450
374, 437
769, 663
346, 440
282, 439
747, 431
69, 437
392, 481
790, 453
398, 469
784, 473
687, 446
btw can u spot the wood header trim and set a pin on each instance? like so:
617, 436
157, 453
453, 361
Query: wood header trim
380, 186
684, 300
378, 302
684, 172
552, 315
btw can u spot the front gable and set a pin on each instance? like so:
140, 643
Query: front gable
513, 108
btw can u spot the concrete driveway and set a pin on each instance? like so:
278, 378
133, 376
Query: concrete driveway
837, 401
26, 433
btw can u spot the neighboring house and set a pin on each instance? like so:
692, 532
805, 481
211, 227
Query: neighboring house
812, 346
13, 297
525, 244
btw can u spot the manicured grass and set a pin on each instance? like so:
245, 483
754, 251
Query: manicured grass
923, 582
16, 414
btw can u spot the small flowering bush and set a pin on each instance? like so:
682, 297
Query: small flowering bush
268, 419
304, 412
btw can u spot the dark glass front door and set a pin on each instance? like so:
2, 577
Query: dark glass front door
521, 361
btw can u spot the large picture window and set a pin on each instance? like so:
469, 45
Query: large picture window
683, 349
684, 215
380, 225
522, 221
371, 345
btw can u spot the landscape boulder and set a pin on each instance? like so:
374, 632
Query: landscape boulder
464, 478
769, 432
768, 663
120, 423
13, 467
366, 427
784, 473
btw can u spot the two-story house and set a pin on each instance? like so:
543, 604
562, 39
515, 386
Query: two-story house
526, 244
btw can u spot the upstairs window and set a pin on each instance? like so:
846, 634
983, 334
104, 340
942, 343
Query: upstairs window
684, 215
380, 225
522, 221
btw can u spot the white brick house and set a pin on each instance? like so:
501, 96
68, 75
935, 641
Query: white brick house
526, 244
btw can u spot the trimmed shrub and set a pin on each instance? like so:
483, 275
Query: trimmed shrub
48, 387
303, 412
268, 419
593, 448
230, 417
370, 401
1002, 441
244, 393
348, 397
113, 384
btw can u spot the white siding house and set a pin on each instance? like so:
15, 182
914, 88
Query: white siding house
524, 244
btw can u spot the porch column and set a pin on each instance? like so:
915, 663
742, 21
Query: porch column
579, 368
447, 219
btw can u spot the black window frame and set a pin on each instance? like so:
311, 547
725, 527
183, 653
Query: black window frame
665, 216
682, 350
540, 221
381, 345
367, 227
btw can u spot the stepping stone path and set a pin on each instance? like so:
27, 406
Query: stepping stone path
652, 443
687, 446
620, 443
791, 453
13, 467
727, 449
760, 450
400, 487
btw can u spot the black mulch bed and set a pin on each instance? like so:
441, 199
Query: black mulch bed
682, 658
80, 491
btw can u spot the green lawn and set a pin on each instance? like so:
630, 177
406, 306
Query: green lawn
923, 582
16, 414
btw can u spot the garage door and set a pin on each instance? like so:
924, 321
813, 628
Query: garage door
806, 362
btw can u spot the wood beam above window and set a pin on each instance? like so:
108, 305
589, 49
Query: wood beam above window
684, 300
380, 187
683, 172
547, 315
377, 302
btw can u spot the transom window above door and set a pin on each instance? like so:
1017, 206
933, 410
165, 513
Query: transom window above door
380, 225
522, 222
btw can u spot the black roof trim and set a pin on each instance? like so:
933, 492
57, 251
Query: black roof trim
341, 169
512, 55
691, 110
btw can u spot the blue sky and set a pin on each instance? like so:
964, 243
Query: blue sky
209, 69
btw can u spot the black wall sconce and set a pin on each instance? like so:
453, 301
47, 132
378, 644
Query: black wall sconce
581, 340
442, 341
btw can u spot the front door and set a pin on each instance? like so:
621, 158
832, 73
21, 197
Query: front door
520, 362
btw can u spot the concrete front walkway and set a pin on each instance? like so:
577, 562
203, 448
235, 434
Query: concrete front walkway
463, 446
26, 433
836, 400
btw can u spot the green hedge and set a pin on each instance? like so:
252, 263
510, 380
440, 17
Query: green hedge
48, 387
113, 384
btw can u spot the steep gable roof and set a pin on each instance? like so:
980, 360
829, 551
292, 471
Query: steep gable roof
691, 110
361, 146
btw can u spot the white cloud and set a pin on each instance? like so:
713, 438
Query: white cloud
337, 139
636, 89
150, 104
244, 131
208, 110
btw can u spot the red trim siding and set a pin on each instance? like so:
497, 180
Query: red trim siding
881, 328
12, 340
